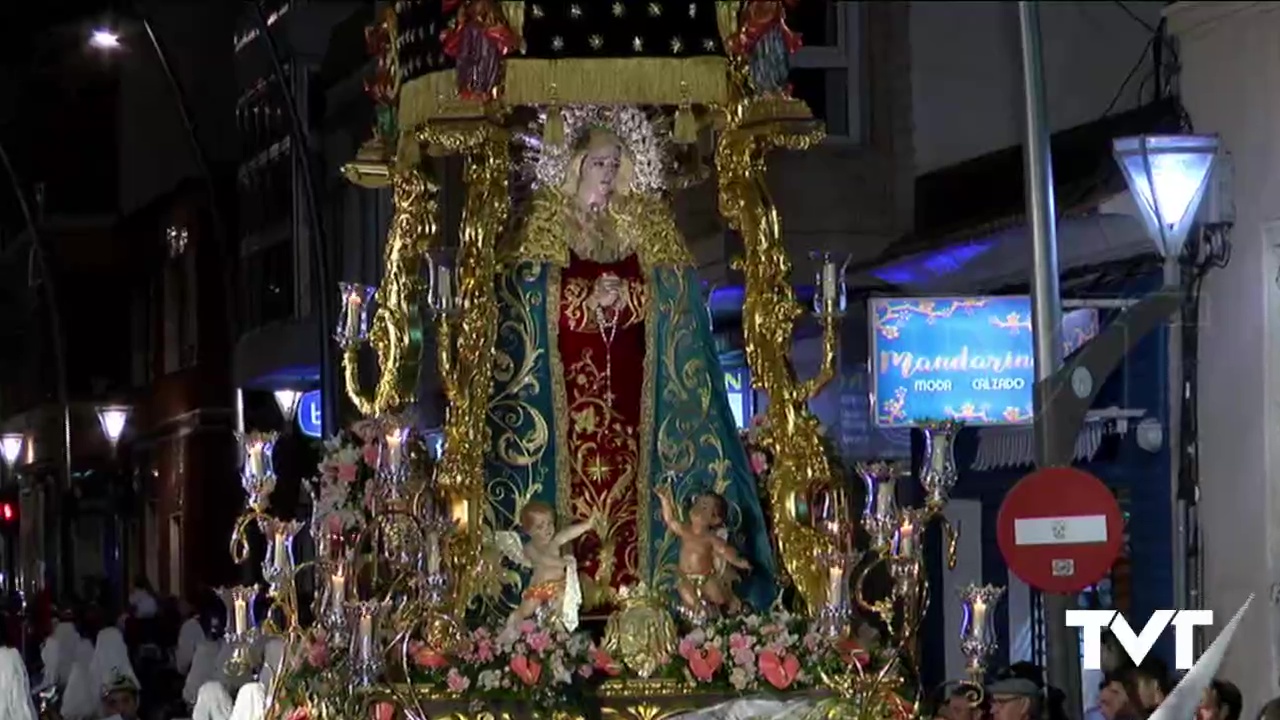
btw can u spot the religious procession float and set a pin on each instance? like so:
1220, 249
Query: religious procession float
596, 538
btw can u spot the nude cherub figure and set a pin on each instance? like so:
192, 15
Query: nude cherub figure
554, 580
703, 551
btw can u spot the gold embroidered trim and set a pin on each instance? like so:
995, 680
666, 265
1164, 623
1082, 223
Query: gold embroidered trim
644, 222
559, 397
573, 81
644, 481
577, 291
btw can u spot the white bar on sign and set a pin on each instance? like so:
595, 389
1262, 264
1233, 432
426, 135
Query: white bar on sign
1069, 530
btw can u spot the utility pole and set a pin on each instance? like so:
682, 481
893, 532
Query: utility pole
1062, 644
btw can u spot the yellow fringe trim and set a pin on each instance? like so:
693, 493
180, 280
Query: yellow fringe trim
513, 11
727, 20
600, 81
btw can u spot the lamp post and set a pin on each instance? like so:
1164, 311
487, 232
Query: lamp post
113, 419
287, 401
11, 448
1167, 176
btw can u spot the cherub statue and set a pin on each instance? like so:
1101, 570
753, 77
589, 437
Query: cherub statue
704, 552
554, 583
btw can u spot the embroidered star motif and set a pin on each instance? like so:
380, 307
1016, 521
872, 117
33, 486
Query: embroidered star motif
619, 9
676, 45
637, 43
596, 42
709, 45
655, 9
557, 43
599, 469
535, 10
575, 11
693, 10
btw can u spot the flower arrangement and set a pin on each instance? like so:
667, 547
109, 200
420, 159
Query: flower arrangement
771, 652
343, 491
529, 663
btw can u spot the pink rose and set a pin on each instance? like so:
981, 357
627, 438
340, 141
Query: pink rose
738, 641
743, 658
759, 462
528, 627
456, 681
539, 641
370, 454
318, 653
347, 472
483, 650
687, 647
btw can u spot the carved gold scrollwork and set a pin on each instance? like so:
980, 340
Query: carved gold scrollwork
770, 312
396, 332
465, 340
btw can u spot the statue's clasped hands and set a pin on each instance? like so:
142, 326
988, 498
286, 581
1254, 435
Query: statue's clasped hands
607, 291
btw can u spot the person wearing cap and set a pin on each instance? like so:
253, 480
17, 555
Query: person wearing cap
1014, 698
120, 697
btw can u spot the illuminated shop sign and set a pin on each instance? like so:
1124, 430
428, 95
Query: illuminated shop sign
970, 359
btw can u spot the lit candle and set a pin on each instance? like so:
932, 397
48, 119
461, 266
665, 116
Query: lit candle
906, 538
461, 513
940, 448
835, 576
366, 635
353, 313
279, 551
393, 440
829, 286
433, 553
444, 287
337, 589
979, 620
242, 615
257, 463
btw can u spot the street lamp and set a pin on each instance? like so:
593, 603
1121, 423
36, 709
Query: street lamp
11, 448
113, 419
104, 39
287, 401
1167, 175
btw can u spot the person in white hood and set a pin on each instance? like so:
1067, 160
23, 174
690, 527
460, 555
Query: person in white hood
251, 703
15, 688
118, 684
212, 703
204, 668
59, 655
80, 699
190, 635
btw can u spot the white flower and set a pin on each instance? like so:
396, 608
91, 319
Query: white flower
739, 678
489, 679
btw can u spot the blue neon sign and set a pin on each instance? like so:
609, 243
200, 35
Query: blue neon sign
310, 414
968, 359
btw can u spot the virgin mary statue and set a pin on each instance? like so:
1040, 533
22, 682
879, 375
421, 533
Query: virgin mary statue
608, 384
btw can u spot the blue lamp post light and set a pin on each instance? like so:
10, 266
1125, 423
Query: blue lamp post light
1167, 175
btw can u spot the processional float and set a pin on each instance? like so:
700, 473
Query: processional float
591, 540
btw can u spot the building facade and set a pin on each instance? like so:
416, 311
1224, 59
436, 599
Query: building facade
1230, 75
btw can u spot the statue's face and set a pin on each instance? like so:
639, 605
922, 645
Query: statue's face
541, 527
600, 168
705, 513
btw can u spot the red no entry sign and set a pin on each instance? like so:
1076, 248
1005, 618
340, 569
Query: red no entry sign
1060, 530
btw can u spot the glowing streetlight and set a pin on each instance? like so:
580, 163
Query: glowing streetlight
11, 447
287, 401
1167, 175
113, 419
104, 39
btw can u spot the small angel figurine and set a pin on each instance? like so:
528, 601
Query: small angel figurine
555, 576
704, 553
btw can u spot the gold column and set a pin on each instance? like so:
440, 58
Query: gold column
466, 339
755, 127
397, 331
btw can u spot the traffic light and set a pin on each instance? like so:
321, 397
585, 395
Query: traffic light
8, 513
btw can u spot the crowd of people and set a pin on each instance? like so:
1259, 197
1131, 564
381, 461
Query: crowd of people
161, 659
1120, 691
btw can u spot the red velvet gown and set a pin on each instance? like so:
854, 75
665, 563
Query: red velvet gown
603, 381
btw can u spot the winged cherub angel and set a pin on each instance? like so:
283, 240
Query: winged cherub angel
554, 582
